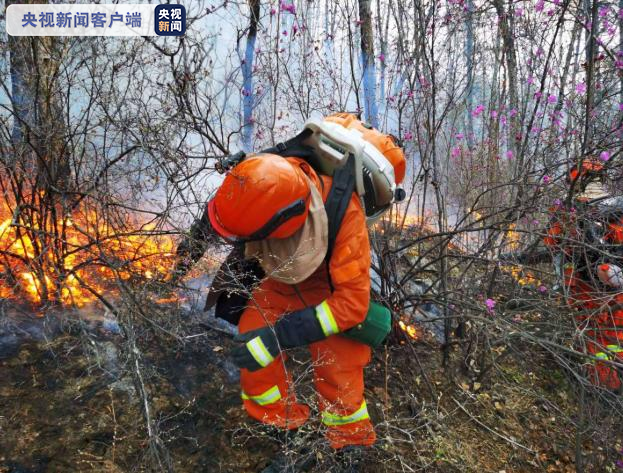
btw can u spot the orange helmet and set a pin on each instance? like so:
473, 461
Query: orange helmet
386, 144
263, 197
586, 169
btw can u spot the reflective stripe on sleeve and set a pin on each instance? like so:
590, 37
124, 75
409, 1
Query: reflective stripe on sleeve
260, 352
601, 355
270, 396
326, 319
615, 348
358, 415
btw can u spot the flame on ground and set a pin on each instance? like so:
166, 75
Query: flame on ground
71, 260
408, 329
522, 276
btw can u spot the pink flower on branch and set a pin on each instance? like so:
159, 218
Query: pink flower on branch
490, 305
478, 110
288, 7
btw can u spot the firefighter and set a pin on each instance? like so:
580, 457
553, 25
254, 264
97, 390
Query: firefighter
274, 205
589, 238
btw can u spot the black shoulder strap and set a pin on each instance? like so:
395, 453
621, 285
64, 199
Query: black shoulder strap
292, 148
342, 189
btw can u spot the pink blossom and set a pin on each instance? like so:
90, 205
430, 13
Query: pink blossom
494, 114
530, 80
542, 289
478, 110
288, 7
456, 151
382, 57
408, 136
490, 304
513, 112
459, 136
603, 11
580, 88
539, 5
621, 107
552, 99
546, 180
538, 95
509, 154
272, 11
295, 29
556, 2
519, 12
604, 156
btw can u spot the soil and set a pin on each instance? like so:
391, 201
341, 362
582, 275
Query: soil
71, 405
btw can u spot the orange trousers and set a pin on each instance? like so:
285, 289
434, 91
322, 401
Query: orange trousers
268, 393
602, 317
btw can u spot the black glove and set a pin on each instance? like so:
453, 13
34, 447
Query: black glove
258, 349
261, 346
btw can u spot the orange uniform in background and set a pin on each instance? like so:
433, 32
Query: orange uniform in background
600, 308
338, 362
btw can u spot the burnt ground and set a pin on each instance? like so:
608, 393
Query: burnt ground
71, 404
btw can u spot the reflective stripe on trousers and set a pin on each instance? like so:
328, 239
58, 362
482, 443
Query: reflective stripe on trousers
270, 396
334, 419
601, 355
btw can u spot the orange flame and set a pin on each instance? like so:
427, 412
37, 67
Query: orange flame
512, 238
409, 329
522, 276
71, 260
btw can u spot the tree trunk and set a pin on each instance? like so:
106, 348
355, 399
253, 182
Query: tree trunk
367, 62
469, 59
506, 29
591, 53
247, 77
39, 117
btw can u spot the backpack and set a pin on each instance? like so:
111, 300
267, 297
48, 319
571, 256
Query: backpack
355, 166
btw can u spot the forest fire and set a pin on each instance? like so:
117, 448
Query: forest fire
409, 329
73, 260
522, 276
